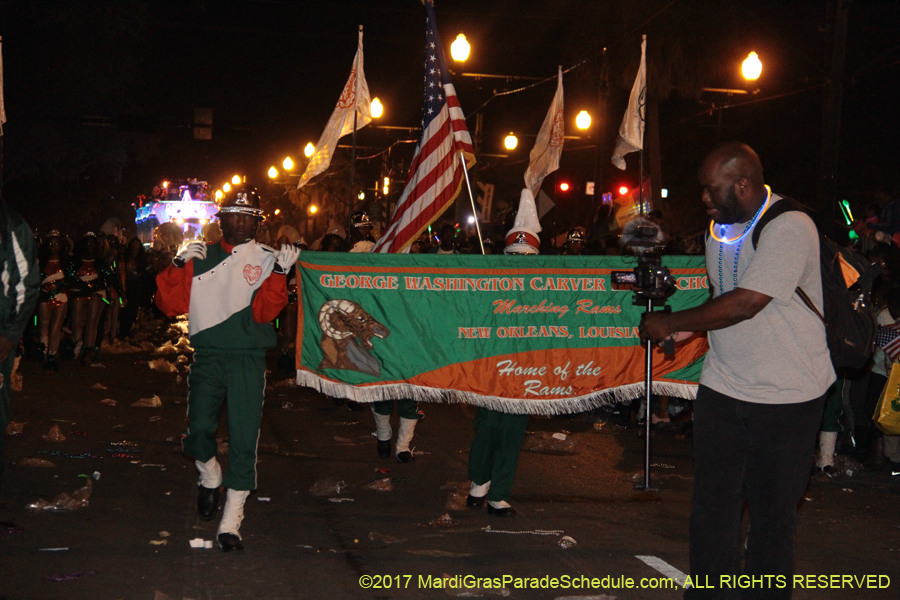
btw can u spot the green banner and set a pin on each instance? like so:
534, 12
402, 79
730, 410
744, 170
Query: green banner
522, 334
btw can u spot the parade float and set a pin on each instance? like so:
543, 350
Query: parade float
188, 204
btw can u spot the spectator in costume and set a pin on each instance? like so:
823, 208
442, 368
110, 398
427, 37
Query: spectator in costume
99, 286
53, 299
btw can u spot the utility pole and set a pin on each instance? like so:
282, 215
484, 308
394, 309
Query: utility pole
831, 121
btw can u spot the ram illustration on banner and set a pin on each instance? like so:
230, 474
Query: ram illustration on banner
553, 336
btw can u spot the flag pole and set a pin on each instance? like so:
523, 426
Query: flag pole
643, 127
353, 147
3, 107
462, 157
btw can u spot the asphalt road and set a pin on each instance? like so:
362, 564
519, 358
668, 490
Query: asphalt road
300, 545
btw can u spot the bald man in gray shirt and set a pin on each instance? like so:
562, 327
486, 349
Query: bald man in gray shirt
763, 384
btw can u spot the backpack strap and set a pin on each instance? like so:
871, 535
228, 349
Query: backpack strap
808, 302
779, 208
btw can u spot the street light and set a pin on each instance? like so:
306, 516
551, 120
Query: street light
226, 187
309, 150
219, 194
751, 67
236, 179
377, 108
313, 209
459, 49
273, 172
288, 164
511, 141
583, 120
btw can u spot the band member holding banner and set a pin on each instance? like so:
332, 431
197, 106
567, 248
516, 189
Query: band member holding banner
574, 245
764, 379
498, 435
232, 290
408, 409
360, 238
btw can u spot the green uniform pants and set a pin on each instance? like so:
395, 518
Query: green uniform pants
239, 379
495, 451
406, 408
5, 371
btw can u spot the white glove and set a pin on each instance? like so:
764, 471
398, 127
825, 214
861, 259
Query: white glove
195, 249
285, 258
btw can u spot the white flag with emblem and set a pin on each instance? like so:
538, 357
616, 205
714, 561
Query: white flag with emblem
544, 157
631, 132
354, 100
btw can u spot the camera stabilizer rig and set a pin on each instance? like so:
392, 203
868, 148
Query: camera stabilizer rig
652, 284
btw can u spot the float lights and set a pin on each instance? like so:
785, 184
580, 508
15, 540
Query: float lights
564, 187
623, 190
277, 211
361, 196
313, 209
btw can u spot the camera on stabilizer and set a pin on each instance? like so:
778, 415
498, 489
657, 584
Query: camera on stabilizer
650, 280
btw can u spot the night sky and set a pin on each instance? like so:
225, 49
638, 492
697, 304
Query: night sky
100, 95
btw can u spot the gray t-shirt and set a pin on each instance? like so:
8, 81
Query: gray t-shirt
780, 356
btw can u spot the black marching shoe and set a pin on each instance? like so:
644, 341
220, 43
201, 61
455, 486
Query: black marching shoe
507, 511
229, 541
405, 457
384, 448
51, 363
207, 502
475, 502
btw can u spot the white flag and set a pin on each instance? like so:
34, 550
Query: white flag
544, 157
354, 100
2, 105
631, 131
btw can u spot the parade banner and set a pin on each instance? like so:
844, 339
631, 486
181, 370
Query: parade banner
519, 334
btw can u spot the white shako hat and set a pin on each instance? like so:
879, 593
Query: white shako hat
523, 237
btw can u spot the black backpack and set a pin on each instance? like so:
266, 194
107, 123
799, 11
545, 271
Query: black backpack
849, 319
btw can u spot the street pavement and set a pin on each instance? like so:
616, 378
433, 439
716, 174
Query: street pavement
359, 542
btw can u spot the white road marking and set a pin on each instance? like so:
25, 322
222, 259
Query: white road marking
664, 568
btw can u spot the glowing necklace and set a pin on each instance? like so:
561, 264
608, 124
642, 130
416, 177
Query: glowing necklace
740, 242
762, 209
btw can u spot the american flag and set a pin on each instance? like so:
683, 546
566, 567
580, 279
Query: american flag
436, 174
888, 339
